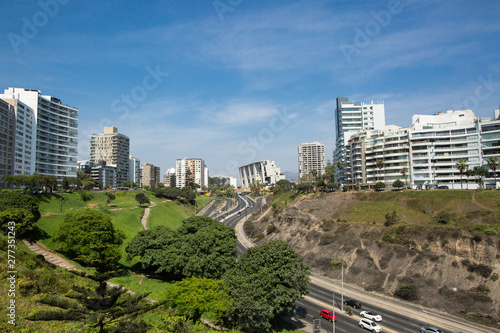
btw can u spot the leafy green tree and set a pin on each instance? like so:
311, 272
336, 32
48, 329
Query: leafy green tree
265, 283
404, 172
380, 186
24, 222
111, 196
142, 199
340, 167
479, 172
462, 167
129, 184
201, 247
90, 238
398, 183
191, 297
19, 200
407, 291
380, 165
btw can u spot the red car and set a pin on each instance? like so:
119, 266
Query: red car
328, 315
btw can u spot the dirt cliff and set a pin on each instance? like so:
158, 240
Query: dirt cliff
454, 269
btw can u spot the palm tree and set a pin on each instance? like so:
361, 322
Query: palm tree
404, 171
380, 165
462, 167
340, 167
492, 164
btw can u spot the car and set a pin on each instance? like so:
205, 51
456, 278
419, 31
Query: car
353, 303
426, 329
371, 315
369, 325
328, 315
443, 187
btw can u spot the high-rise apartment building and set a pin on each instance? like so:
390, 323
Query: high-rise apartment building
351, 117
438, 142
114, 148
150, 175
374, 156
169, 178
134, 170
52, 130
311, 157
190, 171
7, 139
263, 171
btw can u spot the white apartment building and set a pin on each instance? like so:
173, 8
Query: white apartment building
311, 157
190, 171
263, 171
134, 169
54, 133
438, 142
374, 156
350, 118
114, 148
490, 144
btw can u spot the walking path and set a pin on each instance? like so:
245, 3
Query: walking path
50, 256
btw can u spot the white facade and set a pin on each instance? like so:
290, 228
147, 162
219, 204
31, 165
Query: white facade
438, 142
134, 170
263, 171
367, 147
190, 170
311, 157
490, 144
25, 140
350, 118
54, 132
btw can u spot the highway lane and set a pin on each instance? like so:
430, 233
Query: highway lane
321, 297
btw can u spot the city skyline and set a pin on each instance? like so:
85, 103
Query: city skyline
249, 81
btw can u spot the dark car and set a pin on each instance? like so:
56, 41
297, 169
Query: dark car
443, 187
353, 303
328, 315
426, 329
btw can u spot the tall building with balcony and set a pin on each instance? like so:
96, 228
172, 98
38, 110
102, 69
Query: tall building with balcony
438, 142
374, 156
114, 148
7, 139
263, 171
134, 170
150, 175
169, 178
351, 117
190, 171
490, 144
311, 157
52, 128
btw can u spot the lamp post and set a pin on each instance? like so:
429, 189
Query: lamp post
342, 300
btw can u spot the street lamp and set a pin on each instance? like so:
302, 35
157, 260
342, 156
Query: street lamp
342, 300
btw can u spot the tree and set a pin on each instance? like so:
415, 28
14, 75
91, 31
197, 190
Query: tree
111, 196
407, 291
201, 247
462, 167
90, 238
129, 184
265, 283
256, 186
340, 167
380, 186
191, 297
479, 172
398, 183
142, 199
492, 163
21, 209
404, 171
380, 165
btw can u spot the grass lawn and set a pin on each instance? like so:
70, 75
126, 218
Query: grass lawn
170, 214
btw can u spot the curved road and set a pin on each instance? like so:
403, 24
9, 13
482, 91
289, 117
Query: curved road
397, 316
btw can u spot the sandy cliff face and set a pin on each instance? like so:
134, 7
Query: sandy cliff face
454, 270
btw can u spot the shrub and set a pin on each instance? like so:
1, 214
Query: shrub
327, 239
443, 217
480, 318
327, 225
391, 219
270, 228
345, 188
380, 186
398, 183
494, 277
407, 292
337, 263
86, 196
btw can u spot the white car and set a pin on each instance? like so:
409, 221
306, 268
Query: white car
370, 325
371, 315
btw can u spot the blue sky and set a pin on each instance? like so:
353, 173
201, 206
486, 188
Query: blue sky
235, 81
